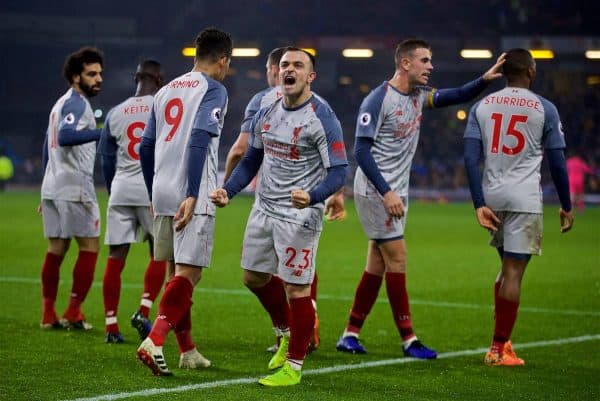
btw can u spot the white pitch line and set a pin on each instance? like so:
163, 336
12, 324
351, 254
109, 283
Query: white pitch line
331, 369
243, 292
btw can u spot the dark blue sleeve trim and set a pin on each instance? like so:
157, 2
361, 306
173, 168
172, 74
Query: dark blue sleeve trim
245, 171
472, 150
45, 154
147, 161
334, 180
109, 167
364, 158
108, 150
465, 93
70, 137
197, 148
558, 171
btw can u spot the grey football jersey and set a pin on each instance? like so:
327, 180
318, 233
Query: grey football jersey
126, 123
299, 145
70, 169
393, 120
515, 125
262, 99
191, 101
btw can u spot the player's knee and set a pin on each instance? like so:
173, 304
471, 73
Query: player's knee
119, 251
58, 246
255, 279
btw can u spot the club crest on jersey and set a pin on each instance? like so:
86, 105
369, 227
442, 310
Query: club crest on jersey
364, 119
69, 118
216, 114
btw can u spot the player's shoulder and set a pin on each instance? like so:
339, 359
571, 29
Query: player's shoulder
323, 112
259, 96
75, 102
547, 105
214, 85
376, 95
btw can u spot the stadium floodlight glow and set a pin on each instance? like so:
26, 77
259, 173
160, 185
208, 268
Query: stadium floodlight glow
542, 54
189, 51
245, 52
461, 114
310, 50
237, 52
357, 53
475, 53
592, 54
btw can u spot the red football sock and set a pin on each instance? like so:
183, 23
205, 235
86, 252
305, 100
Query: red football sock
273, 299
153, 281
398, 297
183, 332
111, 291
506, 316
175, 303
496, 290
364, 299
50, 277
313, 288
83, 276
302, 320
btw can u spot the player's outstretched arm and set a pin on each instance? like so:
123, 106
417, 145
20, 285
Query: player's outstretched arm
496, 71
469, 91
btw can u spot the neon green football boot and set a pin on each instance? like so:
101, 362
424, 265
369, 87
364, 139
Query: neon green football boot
286, 376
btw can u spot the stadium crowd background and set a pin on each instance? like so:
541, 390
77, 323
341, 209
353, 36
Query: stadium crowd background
35, 36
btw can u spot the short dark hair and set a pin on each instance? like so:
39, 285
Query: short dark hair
148, 69
518, 61
312, 58
75, 62
406, 47
275, 56
212, 44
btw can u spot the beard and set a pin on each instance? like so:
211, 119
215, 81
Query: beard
89, 90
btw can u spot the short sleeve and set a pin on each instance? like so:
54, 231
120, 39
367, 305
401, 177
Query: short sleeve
368, 114
210, 114
473, 130
553, 137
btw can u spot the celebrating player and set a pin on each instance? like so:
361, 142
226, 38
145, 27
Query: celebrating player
387, 133
298, 141
69, 207
179, 163
263, 99
512, 128
128, 204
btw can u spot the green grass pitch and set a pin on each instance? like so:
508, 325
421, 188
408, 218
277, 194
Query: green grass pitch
451, 270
